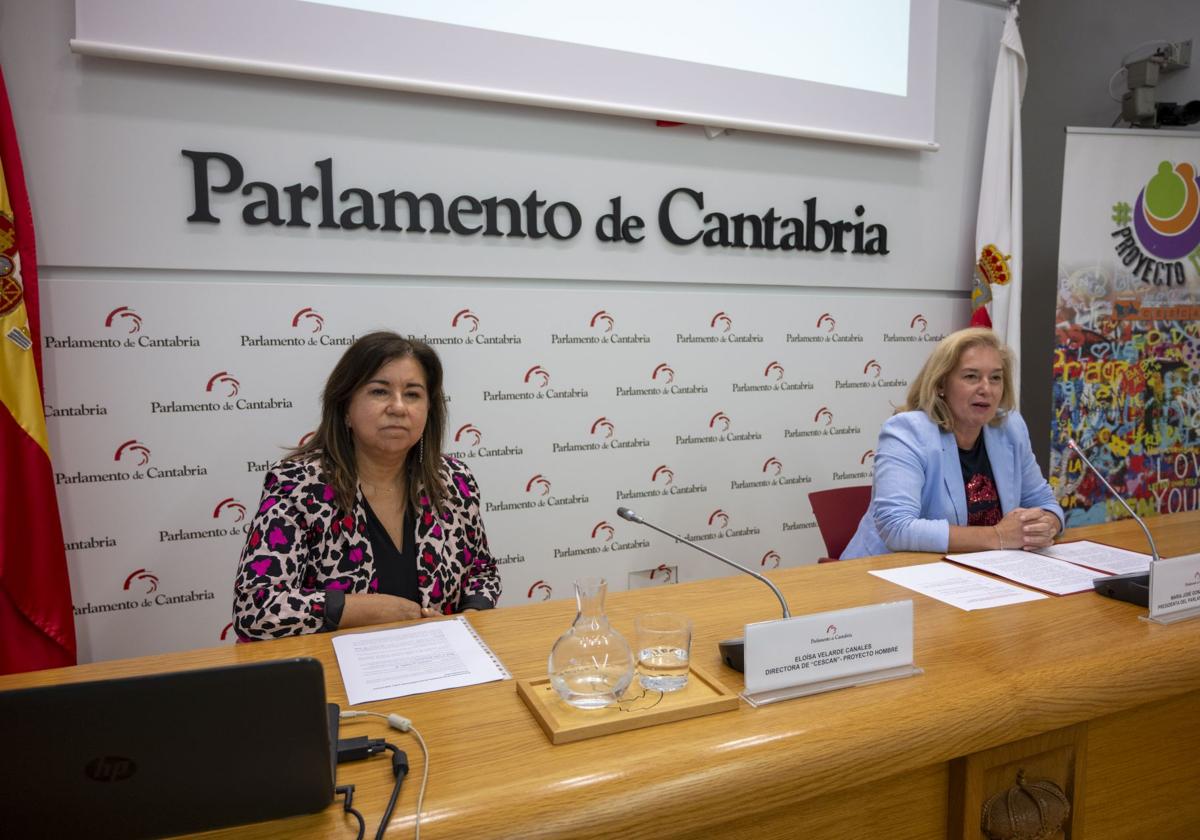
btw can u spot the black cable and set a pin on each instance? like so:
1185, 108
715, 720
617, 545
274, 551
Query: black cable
399, 770
347, 791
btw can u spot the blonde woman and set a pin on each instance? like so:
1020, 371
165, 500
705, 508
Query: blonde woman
954, 470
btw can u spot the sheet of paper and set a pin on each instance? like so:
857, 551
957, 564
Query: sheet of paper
1114, 561
957, 587
1045, 573
414, 660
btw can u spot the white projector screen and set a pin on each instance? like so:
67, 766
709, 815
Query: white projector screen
853, 70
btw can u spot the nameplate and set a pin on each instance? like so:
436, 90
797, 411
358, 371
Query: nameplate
827, 646
1174, 587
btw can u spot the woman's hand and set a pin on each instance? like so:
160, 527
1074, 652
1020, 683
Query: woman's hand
1009, 531
1039, 528
367, 608
1026, 528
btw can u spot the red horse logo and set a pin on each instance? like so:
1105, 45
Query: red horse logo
468, 429
135, 320
666, 371
540, 481
225, 378
309, 314
602, 317
466, 316
230, 504
604, 424
538, 370
541, 587
141, 574
133, 446
604, 528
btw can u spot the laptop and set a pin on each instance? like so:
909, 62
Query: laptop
164, 754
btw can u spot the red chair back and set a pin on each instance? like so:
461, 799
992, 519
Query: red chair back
838, 512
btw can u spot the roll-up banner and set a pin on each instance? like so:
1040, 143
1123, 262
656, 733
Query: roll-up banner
1127, 323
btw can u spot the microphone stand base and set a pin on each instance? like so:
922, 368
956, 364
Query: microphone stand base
1133, 588
733, 653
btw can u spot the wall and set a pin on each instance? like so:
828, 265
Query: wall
102, 145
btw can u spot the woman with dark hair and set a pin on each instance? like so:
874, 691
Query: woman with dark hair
954, 470
367, 522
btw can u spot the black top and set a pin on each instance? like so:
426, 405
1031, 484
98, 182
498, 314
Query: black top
983, 501
396, 569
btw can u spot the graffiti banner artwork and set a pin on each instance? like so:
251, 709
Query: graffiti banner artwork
1127, 324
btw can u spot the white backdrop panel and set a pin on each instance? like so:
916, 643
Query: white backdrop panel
714, 414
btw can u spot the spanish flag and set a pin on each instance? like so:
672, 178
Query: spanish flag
37, 628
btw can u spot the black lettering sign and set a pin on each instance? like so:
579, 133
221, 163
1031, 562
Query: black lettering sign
681, 217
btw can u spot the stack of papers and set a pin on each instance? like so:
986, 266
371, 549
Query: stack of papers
1060, 570
1058, 577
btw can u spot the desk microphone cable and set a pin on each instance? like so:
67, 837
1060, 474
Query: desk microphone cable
402, 724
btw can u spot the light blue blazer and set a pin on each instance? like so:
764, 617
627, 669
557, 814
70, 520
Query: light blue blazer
919, 493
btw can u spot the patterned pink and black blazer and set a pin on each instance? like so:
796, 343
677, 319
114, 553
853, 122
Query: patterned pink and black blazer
301, 545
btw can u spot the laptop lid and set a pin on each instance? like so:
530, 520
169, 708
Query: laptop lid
164, 754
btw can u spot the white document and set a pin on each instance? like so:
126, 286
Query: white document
1106, 558
425, 657
1045, 573
957, 587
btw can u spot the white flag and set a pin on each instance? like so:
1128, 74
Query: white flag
996, 294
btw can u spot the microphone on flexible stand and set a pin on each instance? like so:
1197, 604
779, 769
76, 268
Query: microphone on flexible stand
733, 651
1134, 587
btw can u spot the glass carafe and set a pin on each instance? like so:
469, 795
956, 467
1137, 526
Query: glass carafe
591, 664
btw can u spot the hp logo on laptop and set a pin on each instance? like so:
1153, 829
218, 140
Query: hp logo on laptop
110, 768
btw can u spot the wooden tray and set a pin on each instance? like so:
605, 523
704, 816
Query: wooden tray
563, 724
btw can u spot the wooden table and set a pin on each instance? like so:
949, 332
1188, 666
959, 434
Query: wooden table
1075, 687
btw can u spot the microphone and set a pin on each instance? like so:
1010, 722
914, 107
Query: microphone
733, 651
1133, 588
